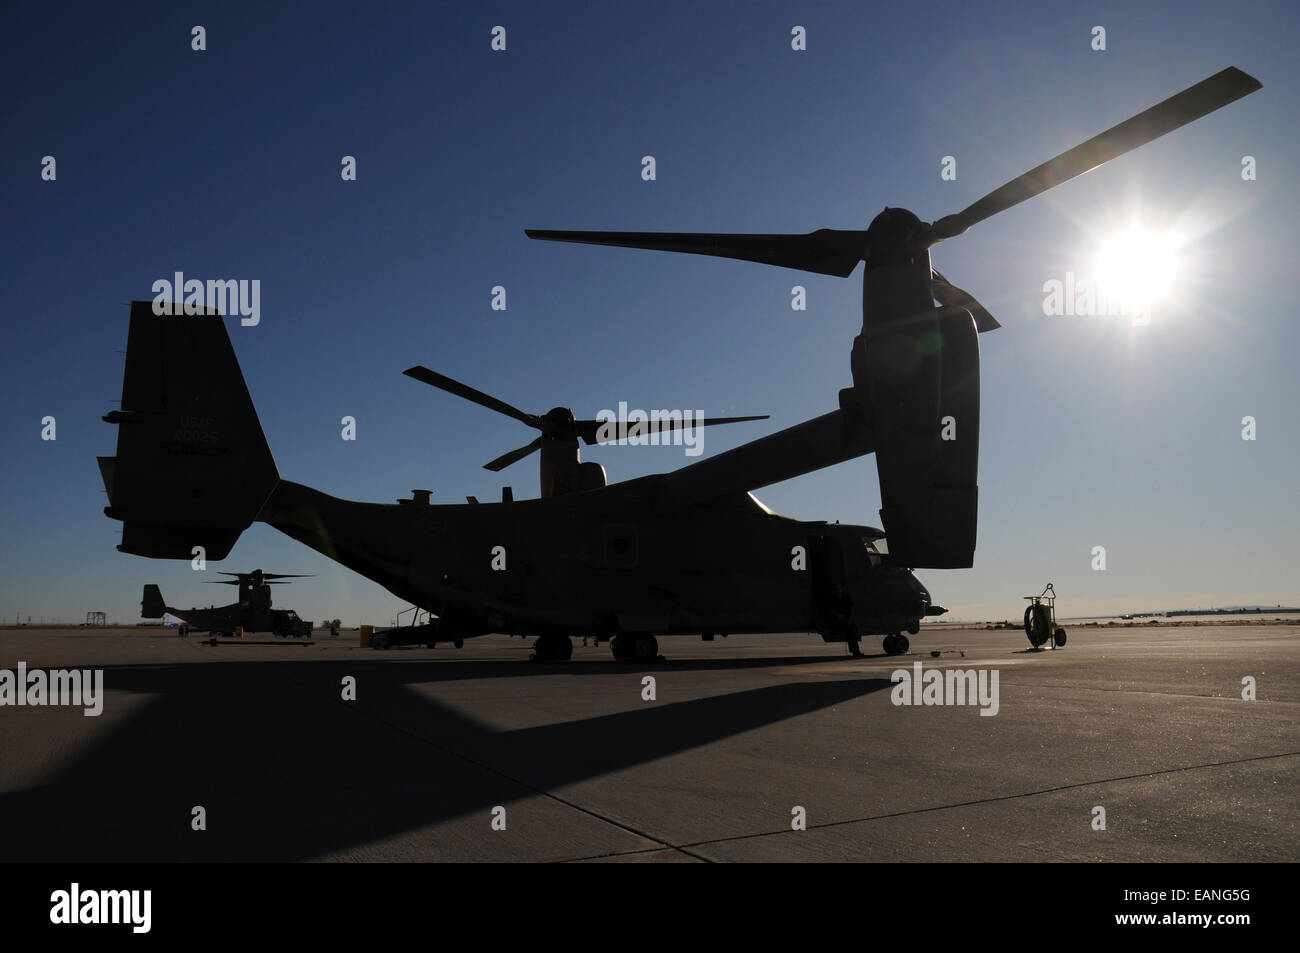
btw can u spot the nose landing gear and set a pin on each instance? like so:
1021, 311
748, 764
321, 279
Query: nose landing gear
896, 644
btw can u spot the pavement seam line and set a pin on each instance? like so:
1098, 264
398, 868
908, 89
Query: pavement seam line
664, 845
946, 807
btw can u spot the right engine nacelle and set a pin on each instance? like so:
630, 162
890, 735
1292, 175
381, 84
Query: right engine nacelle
920, 374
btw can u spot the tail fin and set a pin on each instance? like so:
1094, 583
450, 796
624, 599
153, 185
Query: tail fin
192, 465
152, 606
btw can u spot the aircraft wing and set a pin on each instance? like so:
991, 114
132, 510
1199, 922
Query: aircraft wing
812, 445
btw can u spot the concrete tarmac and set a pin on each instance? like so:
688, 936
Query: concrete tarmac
1147, 724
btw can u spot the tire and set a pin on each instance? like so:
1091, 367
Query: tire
1037, 625
553, 648
901, 645
1060, 638
645, 648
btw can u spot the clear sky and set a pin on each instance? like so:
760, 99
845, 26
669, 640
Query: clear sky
226, 164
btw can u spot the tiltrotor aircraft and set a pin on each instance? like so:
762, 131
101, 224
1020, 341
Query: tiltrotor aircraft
691, 551
252, 613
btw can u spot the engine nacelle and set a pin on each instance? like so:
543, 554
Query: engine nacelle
916, 370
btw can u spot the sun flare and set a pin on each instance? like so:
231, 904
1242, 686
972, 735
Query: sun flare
1138, 268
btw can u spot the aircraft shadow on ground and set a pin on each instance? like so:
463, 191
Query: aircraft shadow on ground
286, 770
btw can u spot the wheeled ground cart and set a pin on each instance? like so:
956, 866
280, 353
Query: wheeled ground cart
1040, 619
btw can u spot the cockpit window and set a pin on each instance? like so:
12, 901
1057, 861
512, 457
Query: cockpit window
874, 549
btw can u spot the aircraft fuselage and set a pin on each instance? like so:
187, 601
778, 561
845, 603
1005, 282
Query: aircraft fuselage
611, 560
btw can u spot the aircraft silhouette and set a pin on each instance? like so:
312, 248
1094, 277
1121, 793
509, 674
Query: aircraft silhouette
691, 551
915, 366
252, 612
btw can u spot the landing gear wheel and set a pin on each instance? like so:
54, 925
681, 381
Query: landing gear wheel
888, 645
901, 645
645, 648
1037, 625
553, 648
1059, 638
460, 644
621, 645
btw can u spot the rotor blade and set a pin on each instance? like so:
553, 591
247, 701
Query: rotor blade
1191, 104
589, 430
514, 456
442, 382
266, 575
222, 582
949, 295
826, 251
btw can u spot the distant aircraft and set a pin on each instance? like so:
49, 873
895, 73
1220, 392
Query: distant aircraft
252, 613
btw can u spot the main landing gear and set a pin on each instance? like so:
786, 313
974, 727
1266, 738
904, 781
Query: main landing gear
639, 647
631, 646
552, 648
896, 644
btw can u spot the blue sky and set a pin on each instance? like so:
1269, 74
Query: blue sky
225, 164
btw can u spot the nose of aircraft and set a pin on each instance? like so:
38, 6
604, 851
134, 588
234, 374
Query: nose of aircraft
921, 596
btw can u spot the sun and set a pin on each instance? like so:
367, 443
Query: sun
1137, 268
